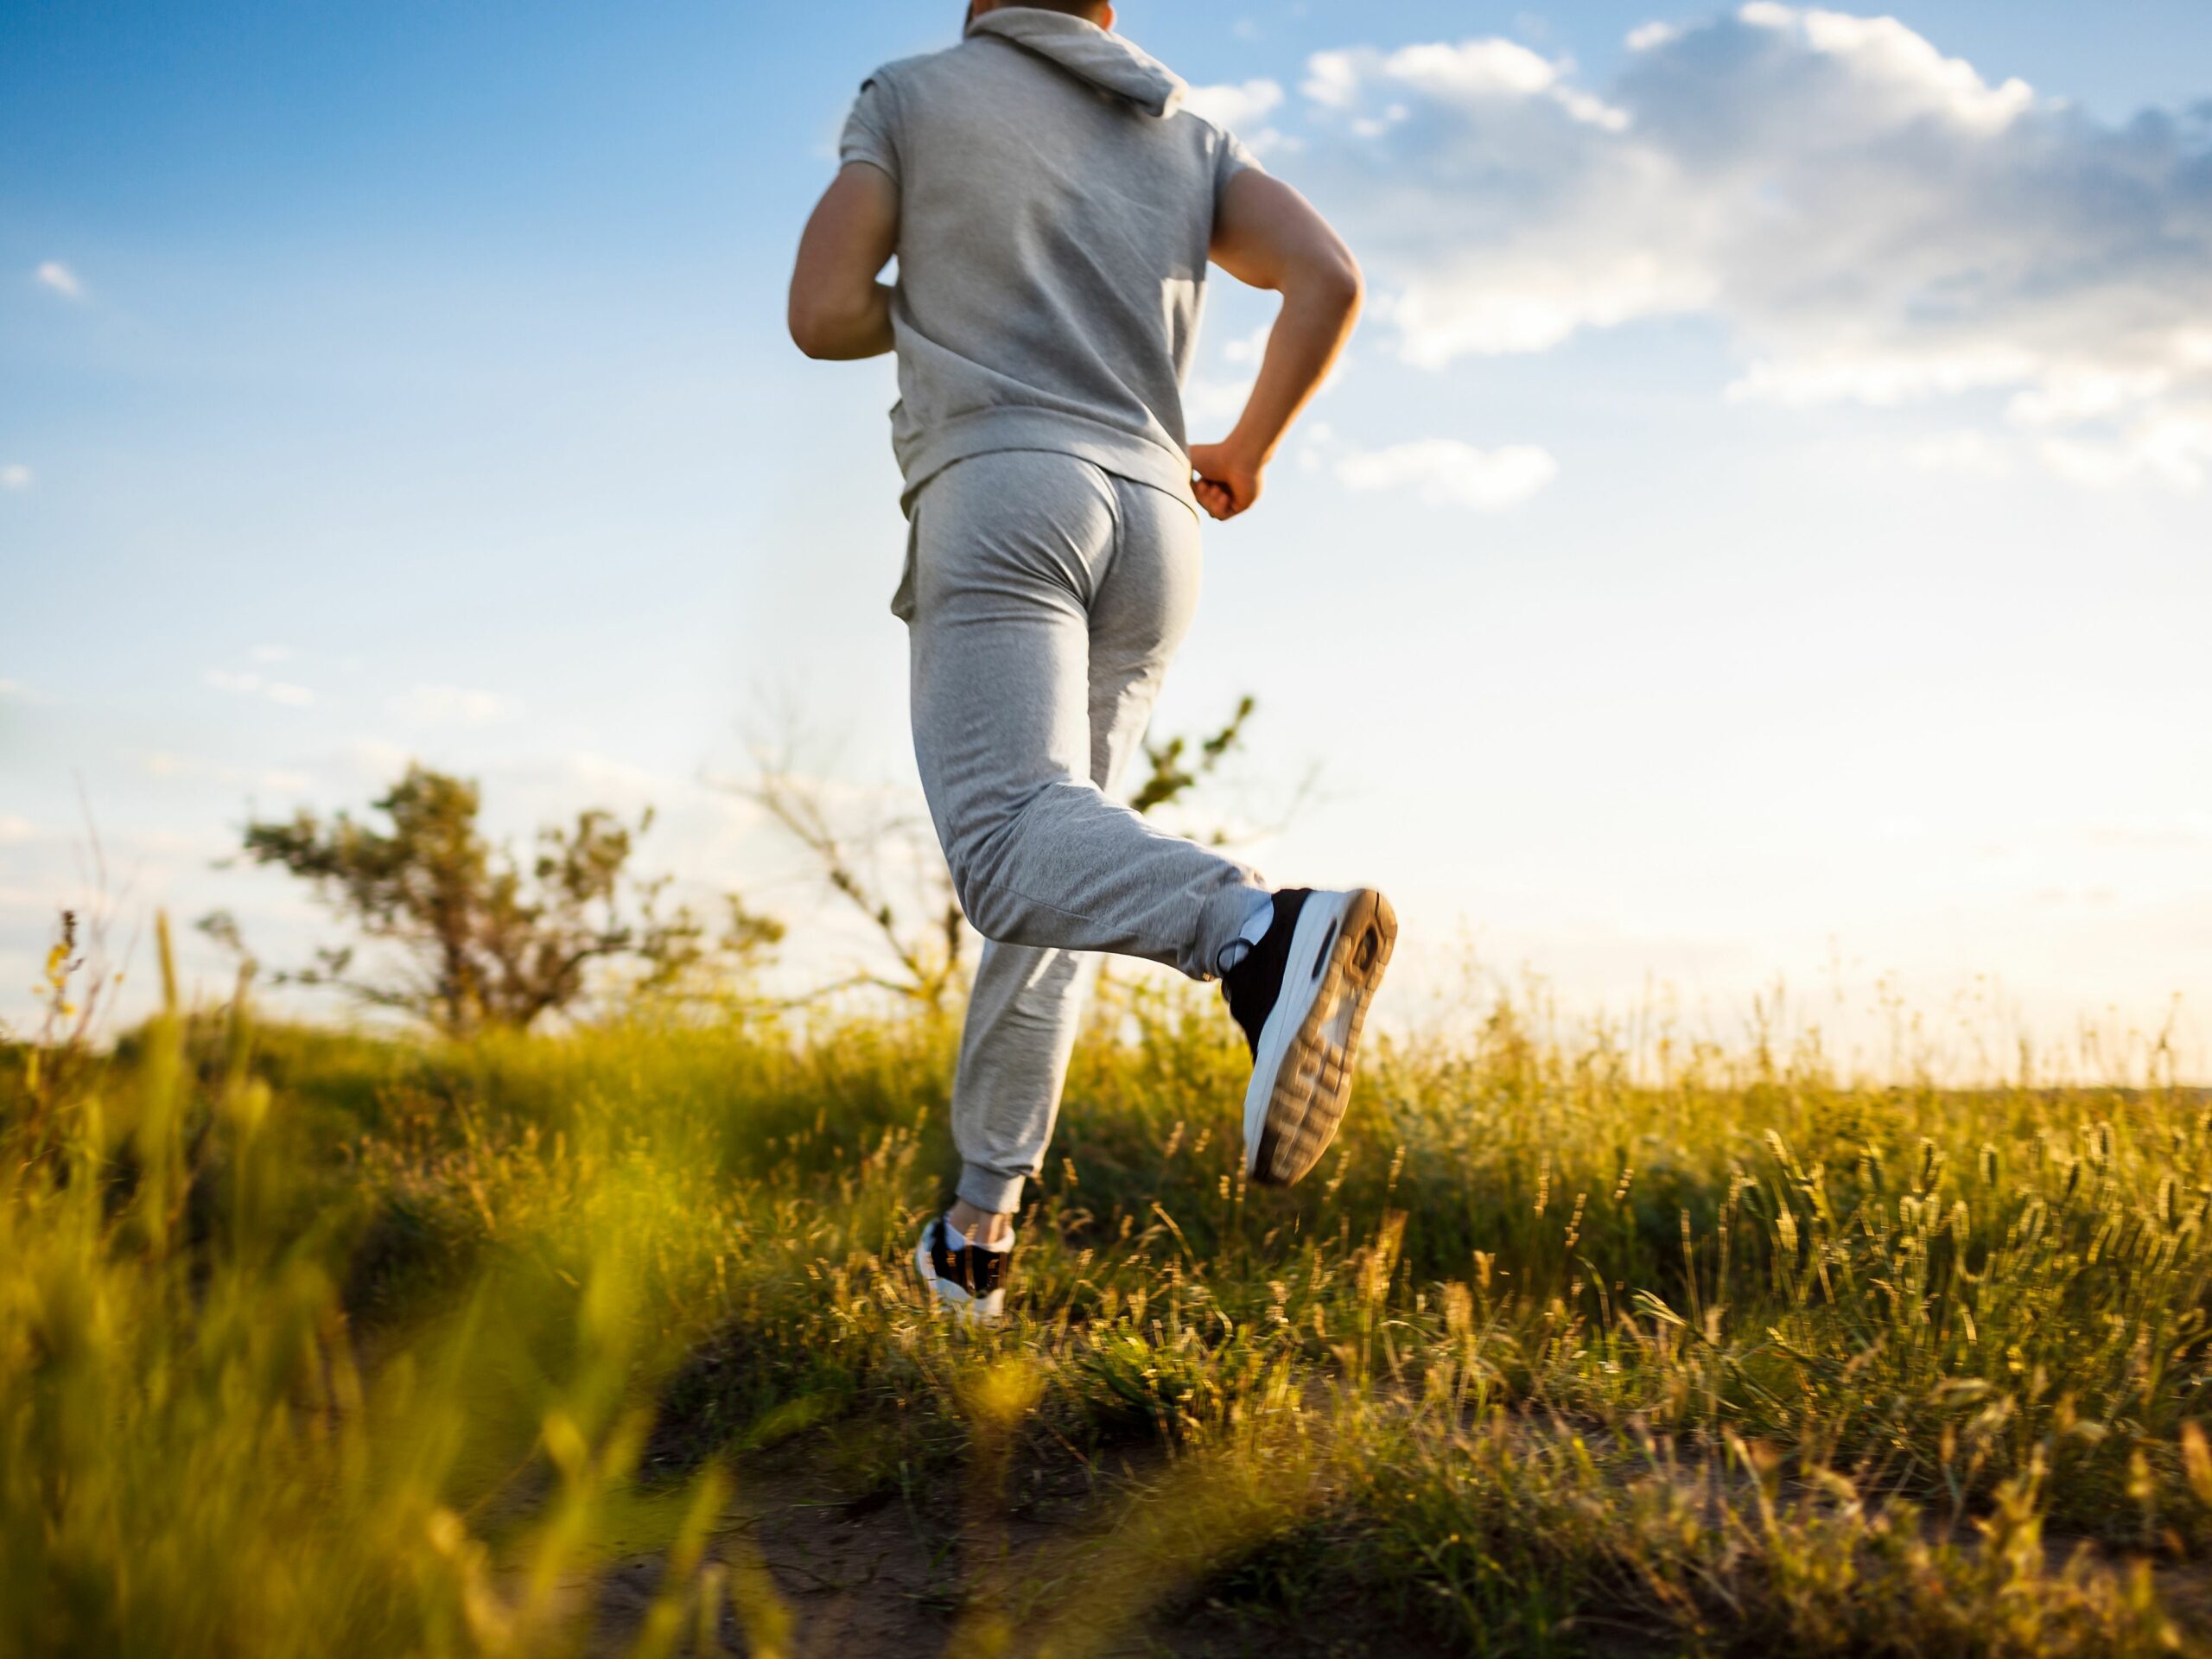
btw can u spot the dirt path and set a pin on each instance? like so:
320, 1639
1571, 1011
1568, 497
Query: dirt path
904, 1574
927, 1570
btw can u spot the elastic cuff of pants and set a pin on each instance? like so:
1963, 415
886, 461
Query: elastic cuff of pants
990, 1190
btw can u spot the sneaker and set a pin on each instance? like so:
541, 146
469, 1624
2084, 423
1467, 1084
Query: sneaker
967, 1278
1301, 995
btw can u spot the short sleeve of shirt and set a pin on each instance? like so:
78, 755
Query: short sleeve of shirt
870, 132
1229, 159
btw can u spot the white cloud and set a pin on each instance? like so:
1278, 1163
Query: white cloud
1444, 472
164, 763
1882, 378
378, 757
454, 705
16, 476
1470, 70
2173, 446
2092, 466
273, 654
2183, 833
1644, 36
1249, 348
1210, 401
15, 827
60, 278
1469, 76
1242, 109
1969, 452
603, 778
1874, 222
1234, 106
2177, 444
252, 684
1331, 80
1905, 67
1215, 398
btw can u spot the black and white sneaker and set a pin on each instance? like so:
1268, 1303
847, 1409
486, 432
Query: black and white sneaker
967, 1278
1301, 994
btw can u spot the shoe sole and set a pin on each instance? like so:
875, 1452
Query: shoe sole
1302, 1070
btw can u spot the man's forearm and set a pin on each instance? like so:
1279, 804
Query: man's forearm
843, 329
1316, 318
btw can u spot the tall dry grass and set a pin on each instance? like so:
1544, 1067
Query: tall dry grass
322, 1343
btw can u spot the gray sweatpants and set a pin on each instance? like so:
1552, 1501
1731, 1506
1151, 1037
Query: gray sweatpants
1043, 599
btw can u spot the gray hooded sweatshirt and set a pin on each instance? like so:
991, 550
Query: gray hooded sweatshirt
1055, 208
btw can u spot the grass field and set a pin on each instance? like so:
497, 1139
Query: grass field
324, 1344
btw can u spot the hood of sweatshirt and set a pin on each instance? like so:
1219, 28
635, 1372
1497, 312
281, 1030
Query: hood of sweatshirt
1089, 52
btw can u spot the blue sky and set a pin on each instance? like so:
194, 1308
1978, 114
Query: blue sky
1772, 484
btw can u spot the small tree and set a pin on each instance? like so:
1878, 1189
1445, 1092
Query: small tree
925, 965
484, 939
1176, 771
888, 867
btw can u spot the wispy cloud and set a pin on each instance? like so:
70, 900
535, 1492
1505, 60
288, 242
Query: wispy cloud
1876, 223
1968, 453
1210, 396
376, 759
16, 476
2182, 833
168, 764
1444, 472
1644, 36
456, 705
59, 278
2171, 445
1248, 348
248, 684
1467, 76
1207, 401
1242, 109
1234, 105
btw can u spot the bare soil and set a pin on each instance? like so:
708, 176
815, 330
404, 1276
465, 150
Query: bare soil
920, 1568
914, 1572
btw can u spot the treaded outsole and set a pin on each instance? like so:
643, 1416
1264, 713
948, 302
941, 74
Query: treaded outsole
1314, 1083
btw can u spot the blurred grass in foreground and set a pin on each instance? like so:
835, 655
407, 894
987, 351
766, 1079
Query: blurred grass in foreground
314, 1343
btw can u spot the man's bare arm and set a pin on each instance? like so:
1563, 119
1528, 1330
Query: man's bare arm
1265, 234
838, 309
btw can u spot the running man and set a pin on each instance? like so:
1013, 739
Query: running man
1053, 209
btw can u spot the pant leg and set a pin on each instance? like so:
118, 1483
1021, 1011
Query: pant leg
1134, 576
1024, 1011
1012, 551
